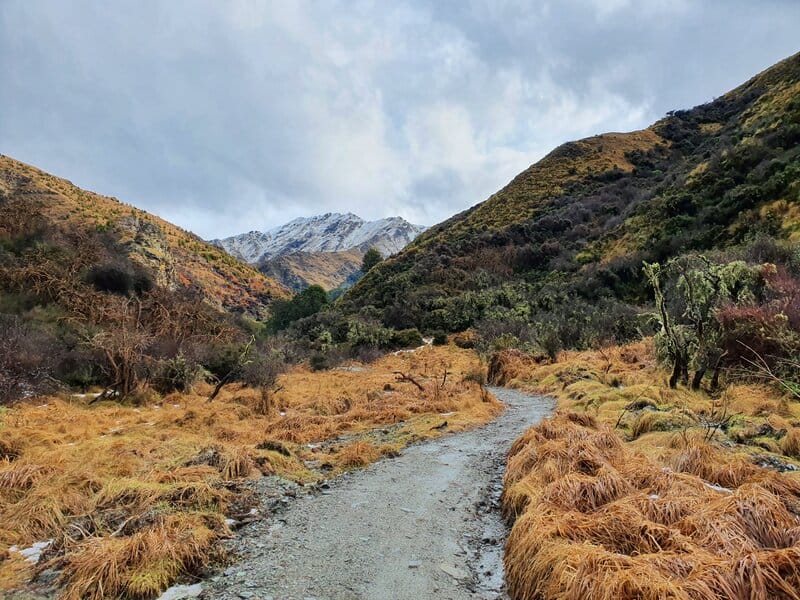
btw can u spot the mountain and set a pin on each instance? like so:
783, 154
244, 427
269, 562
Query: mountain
562, 245
330, 270
324, 250
39, 210
331, 232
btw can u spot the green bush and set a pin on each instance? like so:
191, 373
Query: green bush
318, 362
177, 374
304, 304
406, 338
371, 258
439, 338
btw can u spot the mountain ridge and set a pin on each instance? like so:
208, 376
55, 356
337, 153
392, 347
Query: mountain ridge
330, 232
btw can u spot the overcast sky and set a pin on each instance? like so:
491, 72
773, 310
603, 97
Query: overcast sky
230, 116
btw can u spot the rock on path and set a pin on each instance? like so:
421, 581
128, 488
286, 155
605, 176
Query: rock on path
424, 525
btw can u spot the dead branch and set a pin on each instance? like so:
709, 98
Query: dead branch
403, 378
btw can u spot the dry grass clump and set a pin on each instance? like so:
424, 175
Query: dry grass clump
358, 454
624, 386
142, 564
135, 497
594, 519
648, 421
790, 443
508, 365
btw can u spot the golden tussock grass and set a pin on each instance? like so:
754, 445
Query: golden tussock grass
136, 497
790, 444
679, 511
595, 519
358, 454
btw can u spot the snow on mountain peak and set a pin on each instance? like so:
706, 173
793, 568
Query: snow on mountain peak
331, 232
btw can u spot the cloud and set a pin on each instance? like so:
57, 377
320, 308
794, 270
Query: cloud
242, 115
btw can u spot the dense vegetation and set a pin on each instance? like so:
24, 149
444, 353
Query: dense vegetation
555, 258
96, 293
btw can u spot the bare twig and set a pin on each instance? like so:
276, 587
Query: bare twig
763, 370
402, 377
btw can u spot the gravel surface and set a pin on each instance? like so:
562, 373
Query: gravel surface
423, 525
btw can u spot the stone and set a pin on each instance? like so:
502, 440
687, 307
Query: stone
454, 572
181, 592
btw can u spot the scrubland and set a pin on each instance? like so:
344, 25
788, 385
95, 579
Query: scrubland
136, 497
636, 490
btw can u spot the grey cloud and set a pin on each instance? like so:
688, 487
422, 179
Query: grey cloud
229, 117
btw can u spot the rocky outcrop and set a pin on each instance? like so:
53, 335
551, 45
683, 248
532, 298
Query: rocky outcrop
149, 246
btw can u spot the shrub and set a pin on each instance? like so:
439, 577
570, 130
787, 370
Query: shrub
27, 357
176, 374
407, 338
318, 362
111, 279
439, 338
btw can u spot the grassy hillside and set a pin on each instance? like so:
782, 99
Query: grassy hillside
329, 270
569, 235
95, 292
36, 207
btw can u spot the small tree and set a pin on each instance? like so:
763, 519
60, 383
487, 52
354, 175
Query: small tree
688, 292
123, 344
26, 359
371, 258
262, 372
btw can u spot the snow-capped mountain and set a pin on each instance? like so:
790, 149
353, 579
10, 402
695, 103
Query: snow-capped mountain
331, 232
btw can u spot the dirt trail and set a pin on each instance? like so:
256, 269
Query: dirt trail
423, 525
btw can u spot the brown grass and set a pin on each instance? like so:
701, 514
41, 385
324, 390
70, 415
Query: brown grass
680, 511
595, 519
790, 444
136, 497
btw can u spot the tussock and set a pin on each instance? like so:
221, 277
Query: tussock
358, 454
790, 443
135, 497
594, 519
143, 564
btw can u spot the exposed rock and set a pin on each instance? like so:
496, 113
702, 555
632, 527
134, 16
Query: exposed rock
180, 592
149, 246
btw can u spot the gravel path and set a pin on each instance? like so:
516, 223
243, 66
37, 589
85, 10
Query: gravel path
423, 525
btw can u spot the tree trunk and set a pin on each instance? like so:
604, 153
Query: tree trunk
219, 385
715, 380
676, 373
684, 371
698, 378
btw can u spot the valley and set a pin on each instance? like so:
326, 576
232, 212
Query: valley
586, 386
422, 525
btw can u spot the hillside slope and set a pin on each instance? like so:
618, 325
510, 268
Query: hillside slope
569, 234
329, 270
34, 203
